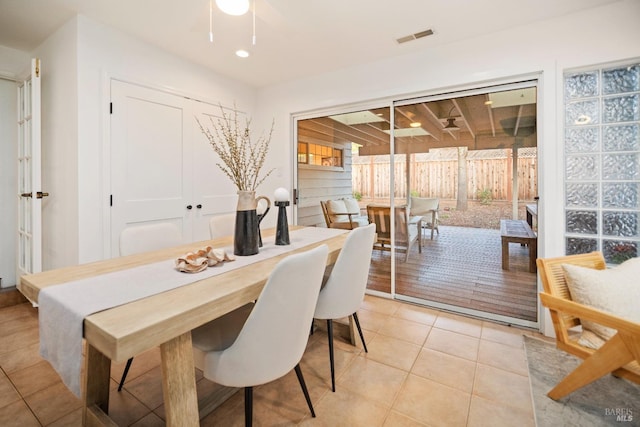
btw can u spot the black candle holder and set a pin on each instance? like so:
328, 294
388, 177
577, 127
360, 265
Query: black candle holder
282, 228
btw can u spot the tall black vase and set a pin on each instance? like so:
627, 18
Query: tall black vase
246, 239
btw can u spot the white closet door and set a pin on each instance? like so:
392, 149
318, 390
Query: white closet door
151, 161
29, 174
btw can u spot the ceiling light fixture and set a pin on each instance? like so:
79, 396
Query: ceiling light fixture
451, 121
233, 7
242, 53
211, 21
253, 39
415, 124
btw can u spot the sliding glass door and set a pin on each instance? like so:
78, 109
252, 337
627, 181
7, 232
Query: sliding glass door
466, 164
438, 175
343, 166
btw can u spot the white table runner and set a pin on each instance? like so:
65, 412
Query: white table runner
63, 307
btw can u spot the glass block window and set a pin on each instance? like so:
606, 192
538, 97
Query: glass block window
602, 161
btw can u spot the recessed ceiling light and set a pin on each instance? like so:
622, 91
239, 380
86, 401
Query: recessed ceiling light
242, 53
415, 124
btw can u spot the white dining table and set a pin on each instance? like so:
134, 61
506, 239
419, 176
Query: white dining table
165, 319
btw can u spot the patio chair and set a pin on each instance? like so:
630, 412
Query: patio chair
408, 232
620, 354
427, 208
343, 213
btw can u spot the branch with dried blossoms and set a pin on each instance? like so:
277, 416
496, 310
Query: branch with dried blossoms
242, 159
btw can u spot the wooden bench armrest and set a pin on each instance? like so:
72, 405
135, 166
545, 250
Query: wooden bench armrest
584, 312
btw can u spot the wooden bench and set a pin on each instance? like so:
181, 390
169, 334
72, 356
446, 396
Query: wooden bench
518, 231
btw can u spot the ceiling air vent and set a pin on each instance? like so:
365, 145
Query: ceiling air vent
415, 36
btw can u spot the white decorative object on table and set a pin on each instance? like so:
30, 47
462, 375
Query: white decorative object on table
194, 262
281, 197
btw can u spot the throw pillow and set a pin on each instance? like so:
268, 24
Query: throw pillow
352, 206
615, 290
337, 207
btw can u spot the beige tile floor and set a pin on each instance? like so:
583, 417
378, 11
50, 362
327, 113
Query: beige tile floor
423, 368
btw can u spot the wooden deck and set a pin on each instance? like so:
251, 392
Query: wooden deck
462, 267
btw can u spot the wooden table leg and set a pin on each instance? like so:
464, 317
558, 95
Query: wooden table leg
96, 390
533, 254
505, 254
178, 382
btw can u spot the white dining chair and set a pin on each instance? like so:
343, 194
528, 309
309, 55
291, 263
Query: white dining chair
222, 225
262, 342
145, 238
343, 290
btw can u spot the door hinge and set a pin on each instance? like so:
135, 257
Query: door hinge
110, 199
111, 108
37, 67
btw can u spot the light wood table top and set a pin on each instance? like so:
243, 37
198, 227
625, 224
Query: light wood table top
124, 331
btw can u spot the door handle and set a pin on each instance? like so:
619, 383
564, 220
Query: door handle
40, 194
199, 206
25, 195
189, 207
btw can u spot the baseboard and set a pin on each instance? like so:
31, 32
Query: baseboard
11, 296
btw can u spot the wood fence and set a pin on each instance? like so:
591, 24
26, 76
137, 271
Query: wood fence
440, 178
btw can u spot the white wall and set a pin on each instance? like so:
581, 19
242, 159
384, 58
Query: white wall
104, 53
58, 55
8, 182
546, 48
75, 123
13, 62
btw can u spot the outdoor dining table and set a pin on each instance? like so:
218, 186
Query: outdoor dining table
166, 319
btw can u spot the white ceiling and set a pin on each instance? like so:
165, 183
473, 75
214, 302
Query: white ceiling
295, 38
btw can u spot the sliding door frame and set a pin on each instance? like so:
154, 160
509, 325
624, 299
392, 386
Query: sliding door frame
512, 83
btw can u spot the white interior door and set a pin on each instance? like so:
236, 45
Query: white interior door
162, 167
150, 171
29, 174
